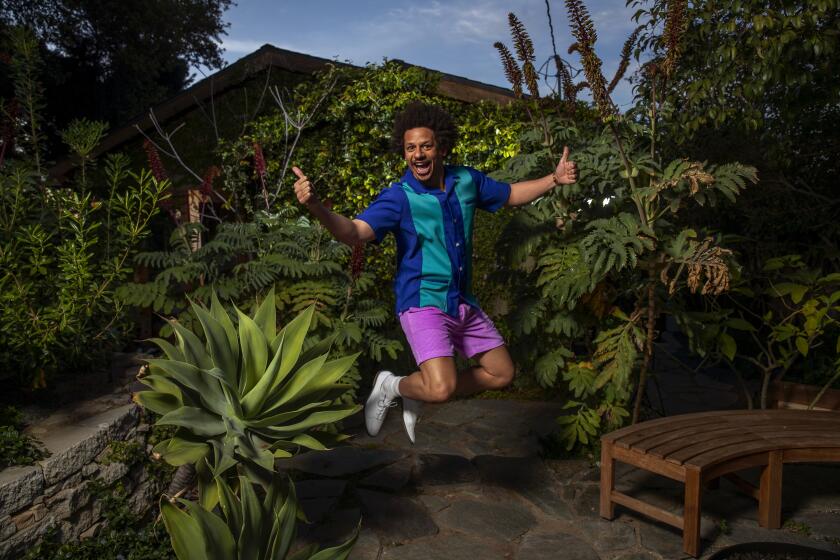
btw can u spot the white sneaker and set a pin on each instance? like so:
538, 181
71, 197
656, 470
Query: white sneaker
378, 403
411, 412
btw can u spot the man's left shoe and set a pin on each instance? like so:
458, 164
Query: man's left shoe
411, 412
378, 403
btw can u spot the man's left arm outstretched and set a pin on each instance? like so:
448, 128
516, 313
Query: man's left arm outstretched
528, 191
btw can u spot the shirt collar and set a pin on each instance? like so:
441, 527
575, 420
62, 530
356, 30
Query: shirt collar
449, 180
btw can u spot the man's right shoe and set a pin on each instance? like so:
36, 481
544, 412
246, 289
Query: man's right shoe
411, 412
378, 403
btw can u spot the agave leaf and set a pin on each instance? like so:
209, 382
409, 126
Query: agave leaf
252, 402
317, 419
193, 350
178, 451
160, 403
327, 392
231, 508
218, 344
222, 316
283, 417
249, 536
305, 440
328, 439
328, 372
283, 527
266, 316
258, 450
171, 351
293, 336
184, 532
218, 538
208, 492
340, 552
219, 374
162, 385
196, 420
254, 352
223, 459
321, 347
299, 380
207, 386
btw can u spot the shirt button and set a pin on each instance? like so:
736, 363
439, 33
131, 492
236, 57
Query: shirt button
461, 268
457, 244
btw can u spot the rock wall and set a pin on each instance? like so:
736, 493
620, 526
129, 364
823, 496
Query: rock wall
56, 493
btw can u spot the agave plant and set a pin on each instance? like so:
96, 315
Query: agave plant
249, 528
246, 394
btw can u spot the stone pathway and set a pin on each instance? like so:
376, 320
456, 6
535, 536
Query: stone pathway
474, 487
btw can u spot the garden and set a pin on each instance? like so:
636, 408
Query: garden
185, 350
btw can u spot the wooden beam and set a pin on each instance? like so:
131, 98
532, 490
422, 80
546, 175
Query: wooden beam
647, 509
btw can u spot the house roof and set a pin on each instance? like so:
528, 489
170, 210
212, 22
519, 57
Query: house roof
268, 56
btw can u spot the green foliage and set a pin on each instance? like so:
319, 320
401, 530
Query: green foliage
757, 83
63, 250
127, 452
249, 527
588, 259
16, 448
793, 330
126, 535
297, 259
246, 394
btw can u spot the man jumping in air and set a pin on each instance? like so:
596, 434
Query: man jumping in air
430, 211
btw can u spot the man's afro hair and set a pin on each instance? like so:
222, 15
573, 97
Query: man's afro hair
421, 115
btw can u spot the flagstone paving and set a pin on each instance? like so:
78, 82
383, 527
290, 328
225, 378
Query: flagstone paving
475, 487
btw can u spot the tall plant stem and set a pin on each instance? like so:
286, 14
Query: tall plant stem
628, 168
653, 119
823, 390
648, 355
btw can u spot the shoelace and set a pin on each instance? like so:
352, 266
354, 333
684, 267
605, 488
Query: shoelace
382, 407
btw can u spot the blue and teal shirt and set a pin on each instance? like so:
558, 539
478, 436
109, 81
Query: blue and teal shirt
434, 228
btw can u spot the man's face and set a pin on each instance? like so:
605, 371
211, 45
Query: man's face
423, 156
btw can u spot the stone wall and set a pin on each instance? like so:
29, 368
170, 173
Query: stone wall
55, 494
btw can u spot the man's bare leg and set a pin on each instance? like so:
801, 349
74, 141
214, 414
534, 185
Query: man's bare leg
438, 380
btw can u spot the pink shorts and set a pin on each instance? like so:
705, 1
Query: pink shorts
431, 333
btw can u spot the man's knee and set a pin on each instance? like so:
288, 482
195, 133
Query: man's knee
502, 375
440, 391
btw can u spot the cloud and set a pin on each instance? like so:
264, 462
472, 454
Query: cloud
238, 46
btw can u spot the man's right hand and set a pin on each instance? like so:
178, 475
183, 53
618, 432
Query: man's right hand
303, 188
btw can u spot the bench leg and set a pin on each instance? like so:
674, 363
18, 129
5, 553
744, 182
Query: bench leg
770, 492
607, 481
691, 513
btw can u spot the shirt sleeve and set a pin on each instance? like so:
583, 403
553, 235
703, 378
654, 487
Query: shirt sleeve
492, 194
384, 213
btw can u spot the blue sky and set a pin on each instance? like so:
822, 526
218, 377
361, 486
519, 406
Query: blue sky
454, 36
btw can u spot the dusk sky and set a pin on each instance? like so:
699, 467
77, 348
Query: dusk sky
455, 36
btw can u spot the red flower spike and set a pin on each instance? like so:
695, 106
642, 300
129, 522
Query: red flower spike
154, 161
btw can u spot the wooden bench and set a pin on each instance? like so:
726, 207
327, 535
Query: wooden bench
697, 449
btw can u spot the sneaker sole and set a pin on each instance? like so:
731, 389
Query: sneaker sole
376, 383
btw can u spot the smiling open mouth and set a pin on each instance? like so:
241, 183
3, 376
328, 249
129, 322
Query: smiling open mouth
423, 167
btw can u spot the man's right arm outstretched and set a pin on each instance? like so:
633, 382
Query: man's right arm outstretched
344, 229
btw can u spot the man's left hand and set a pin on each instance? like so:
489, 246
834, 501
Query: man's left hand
566, 172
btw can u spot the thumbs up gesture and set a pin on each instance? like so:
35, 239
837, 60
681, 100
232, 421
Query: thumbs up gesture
566, 172
303, 188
